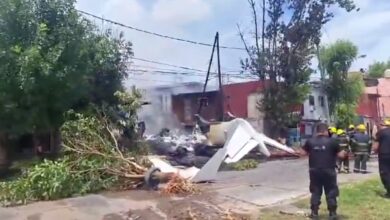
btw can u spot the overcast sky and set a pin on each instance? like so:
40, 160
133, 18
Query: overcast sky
198, 20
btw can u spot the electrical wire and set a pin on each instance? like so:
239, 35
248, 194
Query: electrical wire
156, 34
182, 67
167, 64
151, 80
156, 72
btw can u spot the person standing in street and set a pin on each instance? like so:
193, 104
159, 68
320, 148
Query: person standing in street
332, 132
343, 163
361, 147
382, 147
323, 152
351, 131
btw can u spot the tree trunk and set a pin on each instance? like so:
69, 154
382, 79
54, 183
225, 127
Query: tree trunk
4, 160
48, 144
55, 142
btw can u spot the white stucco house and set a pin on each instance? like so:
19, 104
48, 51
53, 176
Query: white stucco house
315, 109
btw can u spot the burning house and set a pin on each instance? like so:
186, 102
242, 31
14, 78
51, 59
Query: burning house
164, 104
182, 102
240, 100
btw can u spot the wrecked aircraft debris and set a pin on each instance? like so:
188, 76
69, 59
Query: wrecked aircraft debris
181, 149
237, 137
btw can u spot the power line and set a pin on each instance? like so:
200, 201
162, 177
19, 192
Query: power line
144, 71
156, 34
167, 64
180, 67
153, 67
166, 72
151, 80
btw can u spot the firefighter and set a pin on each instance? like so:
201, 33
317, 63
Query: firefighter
323, 152
332, 131
382, 147
344, 145
361, 147
351, 131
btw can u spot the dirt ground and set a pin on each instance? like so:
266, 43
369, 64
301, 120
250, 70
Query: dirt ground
243, 192
180, 207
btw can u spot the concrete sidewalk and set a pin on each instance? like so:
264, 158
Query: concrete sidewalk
241, 191
275, 182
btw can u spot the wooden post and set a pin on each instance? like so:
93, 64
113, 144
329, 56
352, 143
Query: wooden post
208, 73
221, 94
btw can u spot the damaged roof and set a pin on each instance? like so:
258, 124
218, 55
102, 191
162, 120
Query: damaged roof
382, 88
184, 88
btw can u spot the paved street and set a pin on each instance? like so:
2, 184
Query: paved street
275, 182
242, 191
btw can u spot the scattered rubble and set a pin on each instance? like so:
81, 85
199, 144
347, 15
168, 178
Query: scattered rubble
179, 185
181, 149
200, 152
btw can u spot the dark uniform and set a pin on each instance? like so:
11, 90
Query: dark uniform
350, 134
361, 147
383, 138
322, 153
344, 145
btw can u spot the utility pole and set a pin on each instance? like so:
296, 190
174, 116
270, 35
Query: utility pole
221, 94
207, 76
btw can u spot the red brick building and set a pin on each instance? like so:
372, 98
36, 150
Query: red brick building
235, 101
236, 97
240, 99
375, 102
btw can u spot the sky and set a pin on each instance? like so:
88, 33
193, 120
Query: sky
199, 20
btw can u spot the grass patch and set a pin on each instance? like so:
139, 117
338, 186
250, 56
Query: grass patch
360, 201
246, 164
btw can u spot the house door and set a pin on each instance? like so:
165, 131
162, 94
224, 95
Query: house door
187, 110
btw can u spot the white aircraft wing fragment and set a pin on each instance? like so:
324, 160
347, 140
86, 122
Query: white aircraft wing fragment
240, 138
243, 151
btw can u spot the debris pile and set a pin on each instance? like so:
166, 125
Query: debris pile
237, 139
91, 140
215, 213
181, 149
179, 185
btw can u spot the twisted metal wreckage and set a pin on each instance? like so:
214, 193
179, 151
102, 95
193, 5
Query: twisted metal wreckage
237, 137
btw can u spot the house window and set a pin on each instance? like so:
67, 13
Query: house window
321, 100
311, 100
204, 101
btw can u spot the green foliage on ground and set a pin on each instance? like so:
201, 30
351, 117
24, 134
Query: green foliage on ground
358, 201
246, 164
52, 180
91, 162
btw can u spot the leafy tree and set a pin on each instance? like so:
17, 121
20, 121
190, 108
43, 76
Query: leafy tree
377, 69
345, 114
342, 87
282, 51
355, 85
52, 60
